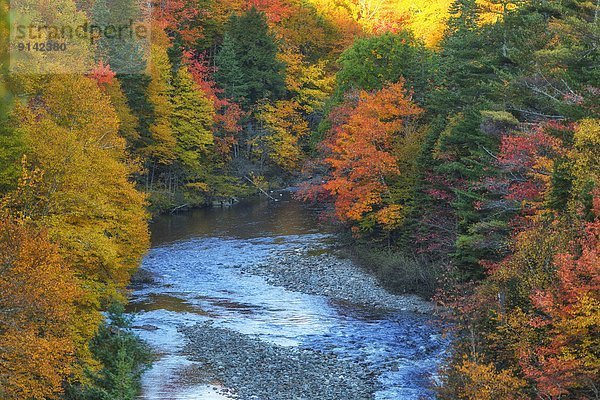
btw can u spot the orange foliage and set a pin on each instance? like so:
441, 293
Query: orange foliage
37, 306
361, 153
569, 319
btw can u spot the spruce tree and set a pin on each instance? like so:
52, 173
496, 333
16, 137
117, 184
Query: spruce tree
256, 52
229, 74
127, 59
467, 62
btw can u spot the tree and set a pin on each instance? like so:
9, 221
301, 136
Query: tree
229, 74
256, 52
585, 156
192, 121
84, 196
362, 160
128, 59
10, 142
308, 84
373, 62
228, 114
38, 298
283, 127
426, 18
535, 315
160, 144
567, 362
467, 63
123, 356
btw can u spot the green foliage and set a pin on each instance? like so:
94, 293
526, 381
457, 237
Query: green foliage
466, 156
372, 62
467, 66
229, 74
11, 148
256, 55
127, 58
123, 356
10, 142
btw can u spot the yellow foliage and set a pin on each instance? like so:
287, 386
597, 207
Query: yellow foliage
283, 126
81, 192
309, 83
160, 88
484, 382
37, 298
495, 10
426, 19
586, 153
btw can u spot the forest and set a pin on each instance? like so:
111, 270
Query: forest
454, 143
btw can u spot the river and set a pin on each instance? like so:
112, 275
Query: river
195, 258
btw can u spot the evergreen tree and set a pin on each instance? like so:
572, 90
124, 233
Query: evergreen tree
467, 64
126, 57
229, 74
256, 52
124, 358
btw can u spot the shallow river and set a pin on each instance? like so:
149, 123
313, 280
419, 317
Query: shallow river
192, 255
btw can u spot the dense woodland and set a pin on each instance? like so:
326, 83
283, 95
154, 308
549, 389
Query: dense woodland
460, 137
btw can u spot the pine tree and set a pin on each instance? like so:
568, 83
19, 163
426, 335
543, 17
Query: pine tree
229, 75
256, 50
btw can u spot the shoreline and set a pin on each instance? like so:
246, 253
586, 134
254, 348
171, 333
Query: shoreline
337, 278
248, 368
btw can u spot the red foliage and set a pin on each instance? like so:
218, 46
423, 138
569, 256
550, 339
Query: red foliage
181, 16
228, 114
361, 152
568, 317
102, 74
528, 158
275, 10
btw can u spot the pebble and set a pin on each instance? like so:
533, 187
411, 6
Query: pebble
255, 369
336, 278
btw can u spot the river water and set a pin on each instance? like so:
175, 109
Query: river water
192, 257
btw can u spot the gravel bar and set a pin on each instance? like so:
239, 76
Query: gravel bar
337, 278
255, 369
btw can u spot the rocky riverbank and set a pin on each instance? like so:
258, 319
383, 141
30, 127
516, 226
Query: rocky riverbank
327, 275
255, 369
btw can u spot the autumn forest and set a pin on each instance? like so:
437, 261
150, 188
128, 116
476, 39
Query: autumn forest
453, 144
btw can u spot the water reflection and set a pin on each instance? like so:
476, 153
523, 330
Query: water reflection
249, 219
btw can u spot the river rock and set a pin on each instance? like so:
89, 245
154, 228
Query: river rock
328, 275
255, 369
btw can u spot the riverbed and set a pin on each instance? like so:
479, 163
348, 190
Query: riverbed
223, 328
